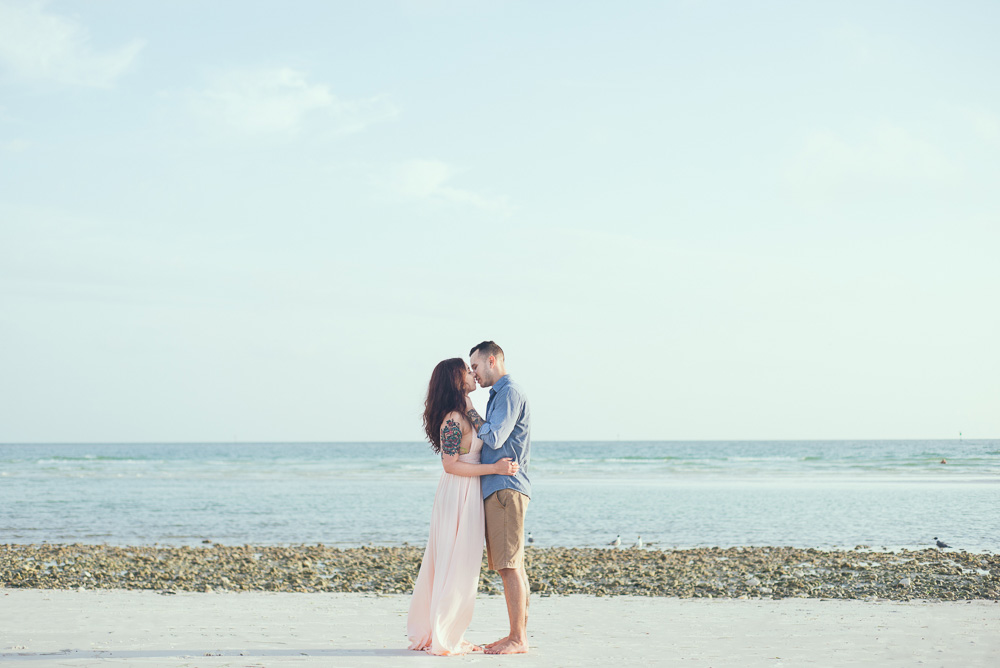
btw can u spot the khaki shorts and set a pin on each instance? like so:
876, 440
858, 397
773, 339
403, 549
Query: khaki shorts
505, 529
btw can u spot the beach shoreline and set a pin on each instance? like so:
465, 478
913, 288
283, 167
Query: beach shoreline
732, 573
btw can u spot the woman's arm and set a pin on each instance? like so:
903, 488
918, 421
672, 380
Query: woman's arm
452, 435
505, 466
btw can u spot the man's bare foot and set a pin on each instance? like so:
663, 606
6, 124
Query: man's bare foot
508, 646
497, 642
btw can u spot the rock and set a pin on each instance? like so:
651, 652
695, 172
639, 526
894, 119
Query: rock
702, 573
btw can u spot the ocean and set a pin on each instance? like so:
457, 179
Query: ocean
820, 494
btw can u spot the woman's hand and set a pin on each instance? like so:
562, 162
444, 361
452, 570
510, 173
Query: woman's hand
506, 466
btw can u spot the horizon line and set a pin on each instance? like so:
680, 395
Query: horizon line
544, 440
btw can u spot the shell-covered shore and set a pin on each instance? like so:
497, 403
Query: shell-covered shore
751, 572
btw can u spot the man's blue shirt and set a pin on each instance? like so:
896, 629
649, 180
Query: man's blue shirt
507, 433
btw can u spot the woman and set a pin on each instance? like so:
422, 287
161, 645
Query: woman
445, 592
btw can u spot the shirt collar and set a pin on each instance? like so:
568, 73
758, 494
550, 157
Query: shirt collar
500, 384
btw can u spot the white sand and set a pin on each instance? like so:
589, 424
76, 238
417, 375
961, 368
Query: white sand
138, 628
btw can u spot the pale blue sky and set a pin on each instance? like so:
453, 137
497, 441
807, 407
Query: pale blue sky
681, 220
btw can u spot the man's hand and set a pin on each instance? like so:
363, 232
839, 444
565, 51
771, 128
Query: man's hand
506, 466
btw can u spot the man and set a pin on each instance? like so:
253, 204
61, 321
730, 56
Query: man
506, 432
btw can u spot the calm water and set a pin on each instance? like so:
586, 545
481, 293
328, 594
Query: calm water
830, 494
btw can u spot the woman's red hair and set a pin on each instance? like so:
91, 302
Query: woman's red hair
446, 393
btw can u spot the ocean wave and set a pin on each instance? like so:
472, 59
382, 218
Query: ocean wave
584, 460
95, 459
637, 460
769, 458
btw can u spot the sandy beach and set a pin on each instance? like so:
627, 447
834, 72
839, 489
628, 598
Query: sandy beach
145, 628
215, 605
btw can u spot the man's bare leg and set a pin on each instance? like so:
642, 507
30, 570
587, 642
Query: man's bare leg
515, 591
527, 604
527, 595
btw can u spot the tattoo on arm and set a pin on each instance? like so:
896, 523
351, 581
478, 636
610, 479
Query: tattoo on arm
476, 420
451, 438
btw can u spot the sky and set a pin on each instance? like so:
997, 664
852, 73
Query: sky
269, 221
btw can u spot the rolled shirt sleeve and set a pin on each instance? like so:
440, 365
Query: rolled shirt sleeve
502, 418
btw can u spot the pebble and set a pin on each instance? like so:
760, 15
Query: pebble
735, 573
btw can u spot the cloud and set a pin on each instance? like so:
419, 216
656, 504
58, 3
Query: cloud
282, 100
430, 180
39, 46
890, 158
14, 146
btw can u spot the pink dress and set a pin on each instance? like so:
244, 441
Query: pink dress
445, 592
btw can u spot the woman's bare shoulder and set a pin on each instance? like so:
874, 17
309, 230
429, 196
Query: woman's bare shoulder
453, 416
455, 419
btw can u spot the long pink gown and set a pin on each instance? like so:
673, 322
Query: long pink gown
445, 592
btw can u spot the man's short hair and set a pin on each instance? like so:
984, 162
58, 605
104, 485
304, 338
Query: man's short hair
488, 348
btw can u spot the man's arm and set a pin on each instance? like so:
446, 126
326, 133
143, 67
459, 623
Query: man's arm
475, 418
507, 407
451, 449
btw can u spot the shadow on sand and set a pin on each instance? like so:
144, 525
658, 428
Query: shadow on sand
190, 653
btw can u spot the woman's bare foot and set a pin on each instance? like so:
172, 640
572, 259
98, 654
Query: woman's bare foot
507, 646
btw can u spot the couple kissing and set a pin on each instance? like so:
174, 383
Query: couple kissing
483, 492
